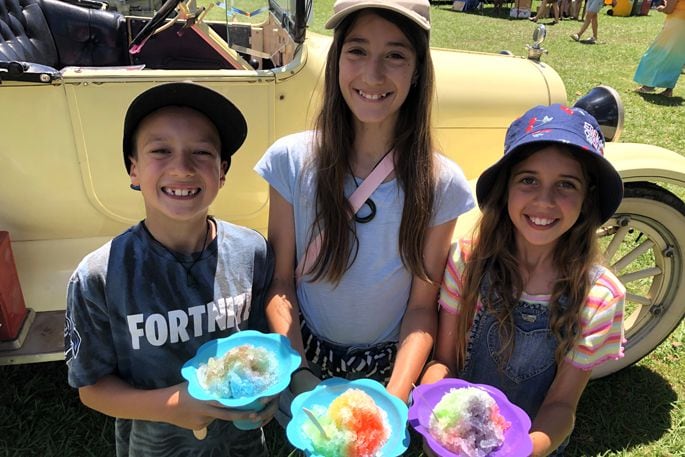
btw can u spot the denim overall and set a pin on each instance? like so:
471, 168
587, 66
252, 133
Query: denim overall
530, 370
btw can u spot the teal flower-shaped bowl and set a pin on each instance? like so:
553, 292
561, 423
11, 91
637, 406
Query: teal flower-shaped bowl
287, 358
330, 389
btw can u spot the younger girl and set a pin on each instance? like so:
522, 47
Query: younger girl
525, 306
365, 304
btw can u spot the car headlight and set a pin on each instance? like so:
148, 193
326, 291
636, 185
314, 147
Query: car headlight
605, 104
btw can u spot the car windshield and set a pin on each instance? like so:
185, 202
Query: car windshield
222, 10
259, 34
235, 11
251, 11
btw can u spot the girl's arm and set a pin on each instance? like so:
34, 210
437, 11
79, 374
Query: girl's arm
282, 310
555, 418
442, 365
419, 322
112, 396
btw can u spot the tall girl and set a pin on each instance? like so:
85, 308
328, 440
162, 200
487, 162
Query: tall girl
365, 303
525, 305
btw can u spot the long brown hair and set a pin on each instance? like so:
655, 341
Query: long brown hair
493, 260
414, 162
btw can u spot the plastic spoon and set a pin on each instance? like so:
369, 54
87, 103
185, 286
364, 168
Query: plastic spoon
315, 421
421, 399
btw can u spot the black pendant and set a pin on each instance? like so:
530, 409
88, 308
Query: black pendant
369, 217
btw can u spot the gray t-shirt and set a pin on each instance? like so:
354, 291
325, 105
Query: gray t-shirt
134, 312
367, 307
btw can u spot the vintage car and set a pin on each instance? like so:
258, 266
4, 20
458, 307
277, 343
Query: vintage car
68, 71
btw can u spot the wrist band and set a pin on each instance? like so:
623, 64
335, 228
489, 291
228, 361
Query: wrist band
304, 368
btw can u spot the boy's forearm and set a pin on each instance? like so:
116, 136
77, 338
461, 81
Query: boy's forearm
173, 405
114, 397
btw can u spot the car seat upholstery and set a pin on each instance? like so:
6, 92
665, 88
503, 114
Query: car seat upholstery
24, 33
86, 36
59, 34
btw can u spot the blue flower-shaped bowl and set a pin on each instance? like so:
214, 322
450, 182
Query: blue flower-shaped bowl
288, 360
516, 440
330, 389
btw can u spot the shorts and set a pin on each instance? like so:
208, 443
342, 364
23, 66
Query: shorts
593, 6
328, 360
374, 362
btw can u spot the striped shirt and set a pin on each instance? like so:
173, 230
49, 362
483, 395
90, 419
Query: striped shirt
601, 319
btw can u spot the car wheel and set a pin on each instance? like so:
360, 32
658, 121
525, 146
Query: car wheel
642, 245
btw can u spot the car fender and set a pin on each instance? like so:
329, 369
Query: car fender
646, 162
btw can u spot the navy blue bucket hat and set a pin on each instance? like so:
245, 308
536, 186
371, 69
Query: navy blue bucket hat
572, 127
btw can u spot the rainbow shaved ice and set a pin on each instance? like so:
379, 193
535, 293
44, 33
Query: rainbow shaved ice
467, 422
244, 371
355, 426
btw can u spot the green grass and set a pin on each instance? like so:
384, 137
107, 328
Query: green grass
622, 41
637, 412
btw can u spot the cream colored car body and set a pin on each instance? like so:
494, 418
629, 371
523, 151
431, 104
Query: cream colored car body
65, 189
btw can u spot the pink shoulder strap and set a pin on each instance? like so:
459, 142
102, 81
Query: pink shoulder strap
357, 199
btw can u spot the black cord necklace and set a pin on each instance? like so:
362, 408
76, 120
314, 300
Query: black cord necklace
370, 203
190, 279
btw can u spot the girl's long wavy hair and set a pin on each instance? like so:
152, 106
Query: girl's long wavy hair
414, 163
493, 256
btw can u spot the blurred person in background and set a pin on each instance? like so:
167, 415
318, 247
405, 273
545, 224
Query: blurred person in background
662, 63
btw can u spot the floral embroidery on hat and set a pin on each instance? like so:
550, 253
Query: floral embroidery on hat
546, 119
539, 133
535, 122
593, 137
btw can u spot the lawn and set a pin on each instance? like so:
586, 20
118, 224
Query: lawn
612, 61
637, 412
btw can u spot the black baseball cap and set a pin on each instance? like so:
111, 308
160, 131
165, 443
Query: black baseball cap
228, 120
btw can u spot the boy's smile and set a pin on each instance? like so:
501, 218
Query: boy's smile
177, 165
181, 192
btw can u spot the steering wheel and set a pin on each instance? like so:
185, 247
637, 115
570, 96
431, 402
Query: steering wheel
149, 29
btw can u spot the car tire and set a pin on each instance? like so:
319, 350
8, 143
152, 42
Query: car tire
642, 244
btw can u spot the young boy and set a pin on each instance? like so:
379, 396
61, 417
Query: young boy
141, 305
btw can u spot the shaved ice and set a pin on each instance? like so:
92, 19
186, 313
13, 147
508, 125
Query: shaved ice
468, 422
355, 426
244, 371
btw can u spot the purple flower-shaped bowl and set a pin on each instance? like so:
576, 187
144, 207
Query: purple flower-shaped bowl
516, 440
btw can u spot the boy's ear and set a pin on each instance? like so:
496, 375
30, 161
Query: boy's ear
133, 173
224, 170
